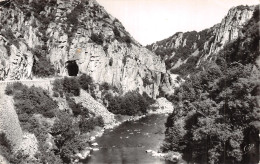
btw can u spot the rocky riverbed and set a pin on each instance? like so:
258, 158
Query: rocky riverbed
130, 137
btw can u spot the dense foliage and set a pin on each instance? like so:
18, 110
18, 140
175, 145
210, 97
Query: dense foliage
97, 38
30, 100
38, 114
42, 67
216, 118
131, 103
71, 85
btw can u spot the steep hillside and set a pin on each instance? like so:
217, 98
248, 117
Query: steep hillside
217, 115
60, 37
184, 53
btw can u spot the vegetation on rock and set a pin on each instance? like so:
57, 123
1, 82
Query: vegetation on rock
30, 100
36, 111
216, 115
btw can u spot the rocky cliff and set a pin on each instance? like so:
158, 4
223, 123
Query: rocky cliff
185, 52
61, 37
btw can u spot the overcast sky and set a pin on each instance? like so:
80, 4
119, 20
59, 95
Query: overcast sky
153, 20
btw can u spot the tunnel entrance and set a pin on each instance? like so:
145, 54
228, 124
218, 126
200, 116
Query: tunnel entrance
72, 68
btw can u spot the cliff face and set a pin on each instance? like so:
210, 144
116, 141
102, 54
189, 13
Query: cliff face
51, 35
184, 52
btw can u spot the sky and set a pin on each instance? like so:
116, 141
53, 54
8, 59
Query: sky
149, 21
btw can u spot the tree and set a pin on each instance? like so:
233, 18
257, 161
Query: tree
85, 81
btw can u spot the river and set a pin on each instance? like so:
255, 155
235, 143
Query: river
126, 144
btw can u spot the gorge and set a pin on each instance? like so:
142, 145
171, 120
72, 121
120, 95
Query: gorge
70, 73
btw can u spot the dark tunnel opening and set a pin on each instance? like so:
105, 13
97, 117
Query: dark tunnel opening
72, 68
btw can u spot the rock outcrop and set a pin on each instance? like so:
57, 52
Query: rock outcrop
188, 52
95, 107
56, 32
183, 52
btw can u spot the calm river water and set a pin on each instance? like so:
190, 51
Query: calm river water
126, 144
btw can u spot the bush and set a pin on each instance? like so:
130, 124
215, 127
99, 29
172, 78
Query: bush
97, 38
116, 32
32, 100
85, 81
110, 61
65, 137
55, 94
68, 86
132, 103
62, 124
71, 146
120, 38
105, 48
147, 81
58, 87
106, 16
99, 121
124, 60
71, 85
88, 124
42, 67
9, 89
77, 108
105, 86
72, 18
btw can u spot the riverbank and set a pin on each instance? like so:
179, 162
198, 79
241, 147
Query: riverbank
128, 142
161, 106
98, 132
170, 156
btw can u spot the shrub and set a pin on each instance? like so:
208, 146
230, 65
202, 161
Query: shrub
148, 99
99, 121
8, 33
5, 142
124, 60
97, 38
58, 87
55, 94
62, 124
9, 89
71, 146
65, 137
85, 81
106, 16
105, 86
77, 108
116, 32
71, 85
68, 86
105, 48
42, 67
132, 103
147, 81
88, 124
72, 18
32, 100
111, 61
114, 104
73, 106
